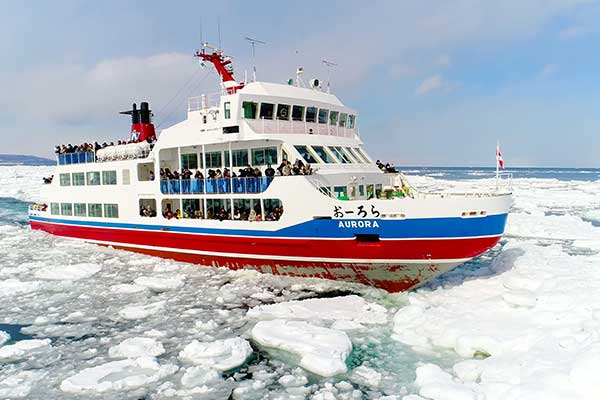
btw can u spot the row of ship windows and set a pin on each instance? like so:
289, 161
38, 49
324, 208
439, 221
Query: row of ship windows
220, 209
85, 210
239, 158
285, 112
332, 154
90, 178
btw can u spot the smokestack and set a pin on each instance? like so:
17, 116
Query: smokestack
141, 122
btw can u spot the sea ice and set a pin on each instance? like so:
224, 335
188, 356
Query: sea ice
23, 349
346, 308
137, 347
67, 272
19, 385
321, 350
119, 375
157, 284
222, 355
142, 311
4, 337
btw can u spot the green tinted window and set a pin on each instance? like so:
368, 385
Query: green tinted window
78, 179
66, 209
111, 211
109, 177
95, 210
80, 210
93, 178
249, 108
322, 153
65, 179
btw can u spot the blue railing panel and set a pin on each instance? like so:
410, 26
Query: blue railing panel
216, 186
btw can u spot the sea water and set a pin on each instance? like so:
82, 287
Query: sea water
520, 322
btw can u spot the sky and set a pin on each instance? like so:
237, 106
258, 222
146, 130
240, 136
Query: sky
434, 82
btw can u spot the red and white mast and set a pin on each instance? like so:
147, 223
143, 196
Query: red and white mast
223, 65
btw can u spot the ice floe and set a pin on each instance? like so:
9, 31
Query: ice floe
119, 375
322, 351
23, 349
222, 355
137, 347
67, 272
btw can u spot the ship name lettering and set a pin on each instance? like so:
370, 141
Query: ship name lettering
358, 224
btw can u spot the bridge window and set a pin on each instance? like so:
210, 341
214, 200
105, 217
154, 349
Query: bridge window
283, 112
111, 210
264, 156
227, 109
343, 118
333, 118
298, 113
189, 161
339, 154
311, 114
323, 154
65, 179
306, 154
240, 157
213, 160
95, 210
351, 121
78, 179
66, 209
266, 110
363, 155
109, 177
80, 209
355, 154
54, 208
323, 113
249, 108
93, 178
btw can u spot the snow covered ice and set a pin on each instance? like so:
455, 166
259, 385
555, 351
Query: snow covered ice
521, 322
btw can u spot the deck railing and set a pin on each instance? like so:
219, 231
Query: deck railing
76, 158
221, 185
298, 127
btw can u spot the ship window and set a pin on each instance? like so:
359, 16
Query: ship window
111, 211
192, 208
370, 191
231, 129
93, 178
311, 114
227, 109
189, 161
126, 177
351, 121
351, 156
242, 207
266, 110
54, 208
213, 160
65, 179
323, 113
66, 209
323, 154
340, 192
361, 190
283, 112
378, 189
339, 154
78, 179
264, 156
80, 209
273, 209
147, 208
94, 210
218, 209
298, 113
249, 109
333, 118
306, 154
356, 155
226, 159
363, 155
343, 118
109, 177
240, 158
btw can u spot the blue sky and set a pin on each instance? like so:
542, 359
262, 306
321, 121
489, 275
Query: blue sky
434, 82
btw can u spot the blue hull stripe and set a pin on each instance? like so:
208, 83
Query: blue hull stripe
491, 225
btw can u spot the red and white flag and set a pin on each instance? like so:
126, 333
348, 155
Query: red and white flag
499, 160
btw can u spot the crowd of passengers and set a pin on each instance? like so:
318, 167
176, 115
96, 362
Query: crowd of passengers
239, 214
286, 168
91, 147
387, 168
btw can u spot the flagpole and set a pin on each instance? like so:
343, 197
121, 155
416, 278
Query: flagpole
497, 164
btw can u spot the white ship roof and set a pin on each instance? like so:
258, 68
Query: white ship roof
289, 91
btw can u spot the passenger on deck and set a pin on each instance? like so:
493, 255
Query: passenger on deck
198, 175
178, 214
236, 214
49, 179
269, 171
151, 176
252, 216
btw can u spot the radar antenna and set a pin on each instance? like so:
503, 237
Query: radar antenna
329, 64
253, 43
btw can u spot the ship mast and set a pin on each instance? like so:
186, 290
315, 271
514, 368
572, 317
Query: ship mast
223, 65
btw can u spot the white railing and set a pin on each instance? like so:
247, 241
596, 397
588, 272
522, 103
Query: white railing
204, 101
298, 127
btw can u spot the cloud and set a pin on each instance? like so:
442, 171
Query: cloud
76, 94
435, 83
573, 32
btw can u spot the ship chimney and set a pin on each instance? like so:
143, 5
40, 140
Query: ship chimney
142, 127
